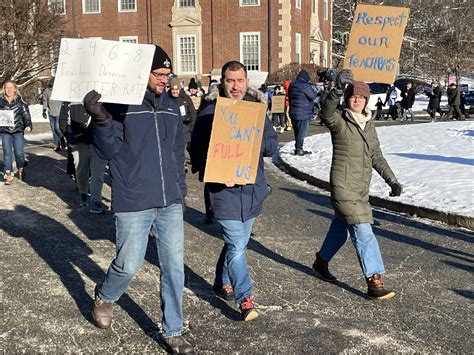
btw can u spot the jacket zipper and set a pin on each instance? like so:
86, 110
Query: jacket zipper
157, 131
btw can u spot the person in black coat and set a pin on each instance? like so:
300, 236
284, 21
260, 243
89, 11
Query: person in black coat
454, 101
408, 99
434, 103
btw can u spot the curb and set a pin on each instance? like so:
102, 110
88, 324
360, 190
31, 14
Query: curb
423, 212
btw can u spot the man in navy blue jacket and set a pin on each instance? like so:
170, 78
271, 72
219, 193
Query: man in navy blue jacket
301, 95
144, 145
234, 206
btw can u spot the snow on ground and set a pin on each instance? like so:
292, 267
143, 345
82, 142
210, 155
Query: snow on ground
434, 162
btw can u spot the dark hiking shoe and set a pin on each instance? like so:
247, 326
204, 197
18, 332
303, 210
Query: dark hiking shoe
322, 270
226, 292
96, 208
301, 152
102, 313
248, 309
375, 289
83, 200
178, 345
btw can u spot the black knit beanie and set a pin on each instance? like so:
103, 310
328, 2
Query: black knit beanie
160, 59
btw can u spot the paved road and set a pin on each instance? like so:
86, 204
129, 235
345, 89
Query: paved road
54, 252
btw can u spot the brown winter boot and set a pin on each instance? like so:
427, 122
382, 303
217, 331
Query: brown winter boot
376, 290
321, 267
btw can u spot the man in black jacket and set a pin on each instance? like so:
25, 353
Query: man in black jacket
235, 207
454, 100
408, 99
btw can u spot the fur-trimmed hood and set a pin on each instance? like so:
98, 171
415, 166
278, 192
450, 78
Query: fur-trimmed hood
251, 94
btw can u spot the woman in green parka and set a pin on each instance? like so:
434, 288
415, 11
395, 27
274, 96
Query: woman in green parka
356, 150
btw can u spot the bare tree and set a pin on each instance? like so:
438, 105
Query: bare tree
30, 33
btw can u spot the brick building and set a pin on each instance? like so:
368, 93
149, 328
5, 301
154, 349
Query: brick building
201, 35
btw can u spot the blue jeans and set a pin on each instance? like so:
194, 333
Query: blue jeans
54, 124
363, 239
132, 229
15, 142
300, 128
232, 267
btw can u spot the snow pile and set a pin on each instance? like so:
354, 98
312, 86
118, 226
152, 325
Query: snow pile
434, 162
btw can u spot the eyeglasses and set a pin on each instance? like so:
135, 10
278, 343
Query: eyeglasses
358, 97
162, 76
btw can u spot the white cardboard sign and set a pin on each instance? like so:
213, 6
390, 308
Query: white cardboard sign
7, 118
119, 71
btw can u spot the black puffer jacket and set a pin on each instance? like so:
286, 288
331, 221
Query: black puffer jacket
188, 113
74, 123
21, 115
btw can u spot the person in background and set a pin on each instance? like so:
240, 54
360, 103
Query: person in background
454, 101
188, 114
391, 100
379, 105
286, 86
278, 118
89, 168
194, 93
13, 139
408, 99
51, 110
302, 97
356, 151
144, 145
434, 101
235, 207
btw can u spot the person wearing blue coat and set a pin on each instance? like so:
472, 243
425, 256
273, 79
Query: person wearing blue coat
234, 206
301, 95
144, 145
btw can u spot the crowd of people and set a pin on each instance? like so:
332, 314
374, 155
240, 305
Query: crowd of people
150, 147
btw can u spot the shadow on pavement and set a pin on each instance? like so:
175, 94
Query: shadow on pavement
64, 253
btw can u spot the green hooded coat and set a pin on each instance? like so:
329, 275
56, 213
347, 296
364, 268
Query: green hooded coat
355, 152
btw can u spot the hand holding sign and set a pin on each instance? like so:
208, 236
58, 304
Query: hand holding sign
96, 110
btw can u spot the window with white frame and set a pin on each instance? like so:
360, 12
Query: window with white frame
187, 3
187, 54
314, 4
326, 9
128, 39
59, 6
298, 4
90, 6
298, 47
249, 2
127, 5
250, 50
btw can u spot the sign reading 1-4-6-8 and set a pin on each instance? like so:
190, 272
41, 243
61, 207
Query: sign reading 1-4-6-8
375, 42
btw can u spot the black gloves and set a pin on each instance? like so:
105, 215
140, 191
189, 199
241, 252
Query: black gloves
396, 188
45, 114
96, 110
343, 78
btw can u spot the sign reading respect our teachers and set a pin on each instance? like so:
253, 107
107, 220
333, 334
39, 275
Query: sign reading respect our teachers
236, 138
119, 71
375, 42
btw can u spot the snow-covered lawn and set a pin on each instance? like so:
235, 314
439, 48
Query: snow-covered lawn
434, 162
